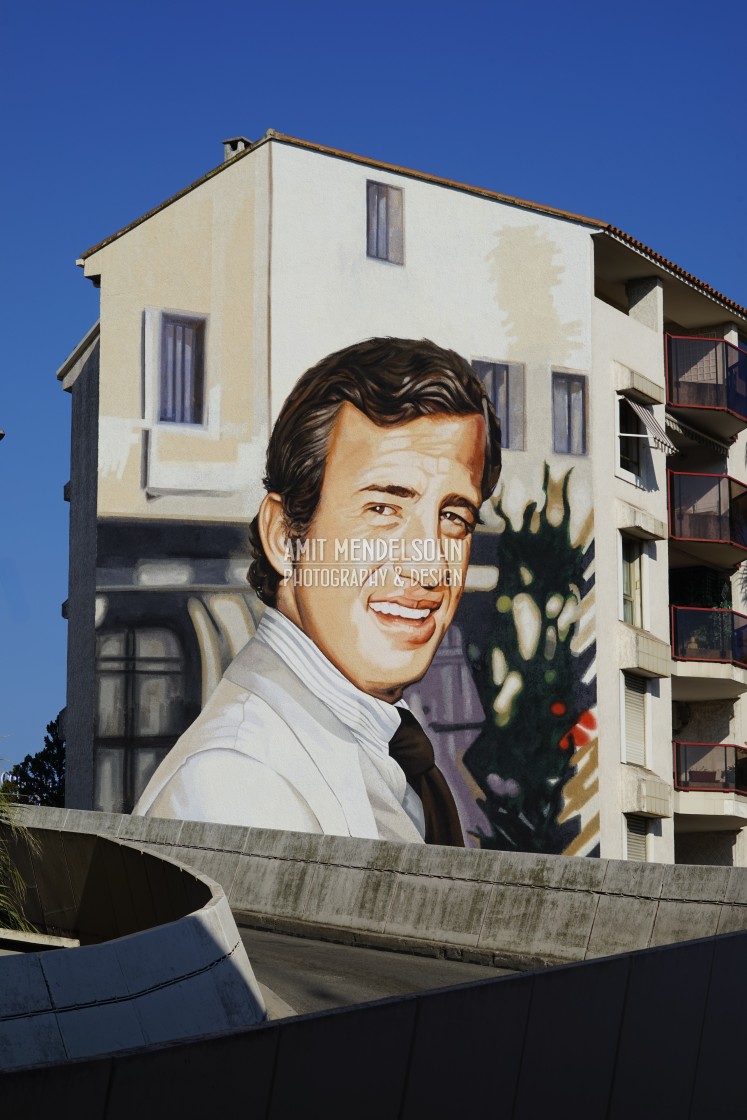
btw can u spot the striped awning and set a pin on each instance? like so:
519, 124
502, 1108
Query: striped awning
653, 427
721, 447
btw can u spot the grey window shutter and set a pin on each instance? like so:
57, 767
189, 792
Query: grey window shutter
637, 828
635, 719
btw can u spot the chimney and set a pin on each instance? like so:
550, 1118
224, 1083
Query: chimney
235, 145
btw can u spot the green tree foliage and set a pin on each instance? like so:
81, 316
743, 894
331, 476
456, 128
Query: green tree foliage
531, 683
40, 778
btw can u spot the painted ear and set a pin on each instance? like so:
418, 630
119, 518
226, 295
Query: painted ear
274, 534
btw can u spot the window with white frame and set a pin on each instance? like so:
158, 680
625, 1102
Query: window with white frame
631, 438
635, 731
385, 240
569, 413
636, 838
504, 383
632, 581
181, 382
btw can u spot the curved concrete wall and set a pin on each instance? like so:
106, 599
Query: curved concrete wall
160, 956
505, 908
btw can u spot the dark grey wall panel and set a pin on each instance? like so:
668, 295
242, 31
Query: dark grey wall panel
571, 1041
345, 1065
467, 1050
656, 1067
719, 1092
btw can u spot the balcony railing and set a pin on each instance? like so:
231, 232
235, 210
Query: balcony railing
711, 375
702, 634
710, 766
709, 511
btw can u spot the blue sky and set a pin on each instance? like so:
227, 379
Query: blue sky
631, 113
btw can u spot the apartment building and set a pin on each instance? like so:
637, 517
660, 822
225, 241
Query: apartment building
587, 699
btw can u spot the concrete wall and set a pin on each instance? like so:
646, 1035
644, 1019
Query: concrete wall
81, 639
574, 1041
506, 908
160, 956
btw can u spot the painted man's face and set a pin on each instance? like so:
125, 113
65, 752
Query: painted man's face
413, 492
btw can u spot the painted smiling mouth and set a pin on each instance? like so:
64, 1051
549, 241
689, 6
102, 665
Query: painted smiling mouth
398, 611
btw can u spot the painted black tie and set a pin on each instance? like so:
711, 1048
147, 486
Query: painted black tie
413, 750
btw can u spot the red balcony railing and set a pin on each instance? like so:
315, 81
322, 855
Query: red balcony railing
711, 375
709, 511
703, 634
710, 766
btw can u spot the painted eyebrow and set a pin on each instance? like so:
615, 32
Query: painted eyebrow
464, 503
395, 491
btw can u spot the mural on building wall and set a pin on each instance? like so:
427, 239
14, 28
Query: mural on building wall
510, 699
507, 702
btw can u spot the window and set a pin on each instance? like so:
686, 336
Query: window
636, 830
631, 436
182, 370
140, 711
505, 387
632, 588
635, 718
385, 228
569, 413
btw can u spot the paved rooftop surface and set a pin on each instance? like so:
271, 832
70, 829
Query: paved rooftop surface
315, 975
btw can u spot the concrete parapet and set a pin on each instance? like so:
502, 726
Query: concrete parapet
508, 908
160, 957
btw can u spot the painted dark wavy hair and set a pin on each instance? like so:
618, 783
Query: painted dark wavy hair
391, 381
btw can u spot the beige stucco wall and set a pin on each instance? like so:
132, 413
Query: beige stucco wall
205, 254
620, 340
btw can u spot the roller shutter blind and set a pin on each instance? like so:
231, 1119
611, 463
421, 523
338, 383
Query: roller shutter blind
635, 719
637, 828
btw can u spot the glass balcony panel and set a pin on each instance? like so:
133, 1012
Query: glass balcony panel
699, 507
708, 373
738, 513
702, 635
710, 766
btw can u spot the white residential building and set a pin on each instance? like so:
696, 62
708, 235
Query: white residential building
588, 698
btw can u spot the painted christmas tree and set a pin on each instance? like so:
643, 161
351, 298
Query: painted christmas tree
535, 690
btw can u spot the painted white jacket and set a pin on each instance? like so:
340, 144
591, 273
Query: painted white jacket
265, 752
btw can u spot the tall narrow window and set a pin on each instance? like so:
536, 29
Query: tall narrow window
569, 413
182, 373
385, 225
505, 387
636, 832
630, 430
635, 719
632, 587
140, 711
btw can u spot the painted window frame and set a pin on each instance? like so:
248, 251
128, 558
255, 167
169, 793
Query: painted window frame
385, 222
512, 415
125, 743
172, 368
152, 340
567, 378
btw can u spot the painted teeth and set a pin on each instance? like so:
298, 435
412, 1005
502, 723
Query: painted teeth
400, 612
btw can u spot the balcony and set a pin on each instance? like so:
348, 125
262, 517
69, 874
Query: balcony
709, 651
707, 384
710, 767
708, 515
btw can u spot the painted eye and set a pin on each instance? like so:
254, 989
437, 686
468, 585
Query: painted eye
383, 510
457, 525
